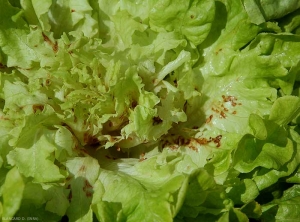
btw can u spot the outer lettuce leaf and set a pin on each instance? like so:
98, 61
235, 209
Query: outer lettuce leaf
11, 192
285, 208
261, 11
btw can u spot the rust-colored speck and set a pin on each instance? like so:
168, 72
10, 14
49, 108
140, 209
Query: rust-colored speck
222, 114
217, 140
208, 120
53, 45
87, 188
37, 107
72, 10
202, 141
48, 82
230, 99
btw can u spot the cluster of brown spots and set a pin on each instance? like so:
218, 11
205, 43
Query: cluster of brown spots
221, 110
175, 142
231, 99
54, 45
216, 140
205, 141
87, 189
37, 107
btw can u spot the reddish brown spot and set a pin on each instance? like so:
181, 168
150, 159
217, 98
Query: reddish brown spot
118, 149
192, 16
156, 120
230, 99
208, 120
87, 188
215, 110
217, 140
134, 104
72, 10
48, 82
222, 115
53, 45
37, 107
202, 141
87, 184
234, 112
90, 140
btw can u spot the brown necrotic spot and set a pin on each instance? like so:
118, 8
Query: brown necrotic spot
133, 104
87, 189
208, 120
217, 140
37, 107
156, 120
222, 114
90, 140
54, 45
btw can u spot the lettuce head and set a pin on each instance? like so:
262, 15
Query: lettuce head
151, 110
